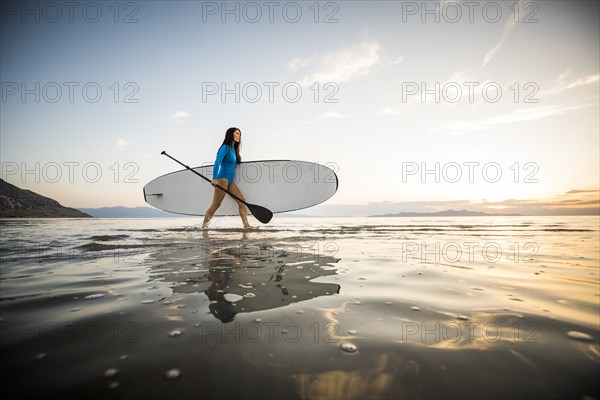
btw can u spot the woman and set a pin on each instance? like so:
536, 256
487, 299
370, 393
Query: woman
223, 173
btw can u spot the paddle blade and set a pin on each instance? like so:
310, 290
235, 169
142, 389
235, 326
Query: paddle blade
262, 214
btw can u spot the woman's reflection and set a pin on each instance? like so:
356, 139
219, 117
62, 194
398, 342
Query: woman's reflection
248, 279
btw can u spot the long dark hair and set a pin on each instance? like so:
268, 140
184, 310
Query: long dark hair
230, 142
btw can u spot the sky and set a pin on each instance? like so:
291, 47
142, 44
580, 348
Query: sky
417, 106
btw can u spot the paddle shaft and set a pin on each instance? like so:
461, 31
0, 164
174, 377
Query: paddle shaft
205, 178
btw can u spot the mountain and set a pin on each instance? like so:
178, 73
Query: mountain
16, 202
447, 213
129, 212
149, 212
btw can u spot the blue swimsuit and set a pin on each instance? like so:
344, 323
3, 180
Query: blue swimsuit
225, 163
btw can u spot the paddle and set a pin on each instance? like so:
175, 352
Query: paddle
262, 214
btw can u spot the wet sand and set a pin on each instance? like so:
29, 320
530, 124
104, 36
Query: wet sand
351, 311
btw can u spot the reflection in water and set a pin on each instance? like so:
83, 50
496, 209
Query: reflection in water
374, 380
247, 279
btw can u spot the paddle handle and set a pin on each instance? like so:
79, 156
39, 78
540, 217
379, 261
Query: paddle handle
203, 177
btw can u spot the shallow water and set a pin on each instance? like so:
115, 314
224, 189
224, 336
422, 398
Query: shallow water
485, 307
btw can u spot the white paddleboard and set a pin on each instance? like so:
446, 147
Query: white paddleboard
279, 185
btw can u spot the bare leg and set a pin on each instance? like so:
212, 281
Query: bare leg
218, 197
241, 206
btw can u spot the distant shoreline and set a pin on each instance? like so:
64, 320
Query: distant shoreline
147, 212
447, 213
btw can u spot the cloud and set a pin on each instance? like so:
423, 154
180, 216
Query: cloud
121, 144
509, 26
529, 114
179, 116
341, 65
390, 111
582, 191
578, 204
396, 61
333, 115
300, 63
565, 81
453, 90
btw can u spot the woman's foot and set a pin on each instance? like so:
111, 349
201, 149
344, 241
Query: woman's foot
251, 227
